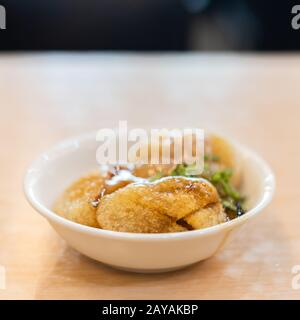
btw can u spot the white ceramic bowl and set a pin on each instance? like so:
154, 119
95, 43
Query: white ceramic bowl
55, 169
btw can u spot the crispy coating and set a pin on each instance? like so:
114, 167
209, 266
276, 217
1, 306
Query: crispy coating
79, 201
76, 202
207, 217
170, 204
161, 206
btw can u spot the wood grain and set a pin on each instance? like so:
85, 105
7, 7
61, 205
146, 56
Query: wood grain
47, 97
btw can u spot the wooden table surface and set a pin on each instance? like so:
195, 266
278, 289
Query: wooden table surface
48, 97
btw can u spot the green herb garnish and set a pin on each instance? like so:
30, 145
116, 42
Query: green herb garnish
179, 170
231, 199
185, 170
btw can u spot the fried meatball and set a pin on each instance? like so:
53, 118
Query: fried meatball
76, 202
168, 205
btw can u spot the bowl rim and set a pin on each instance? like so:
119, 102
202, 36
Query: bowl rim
62, 146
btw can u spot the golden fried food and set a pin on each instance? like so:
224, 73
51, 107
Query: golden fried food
168, 205
79, 202
206, 217
159, 198
76, 203
215, 146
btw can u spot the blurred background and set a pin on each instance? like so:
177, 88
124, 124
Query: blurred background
149, 25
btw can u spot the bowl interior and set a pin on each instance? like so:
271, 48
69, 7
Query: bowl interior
54, 170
